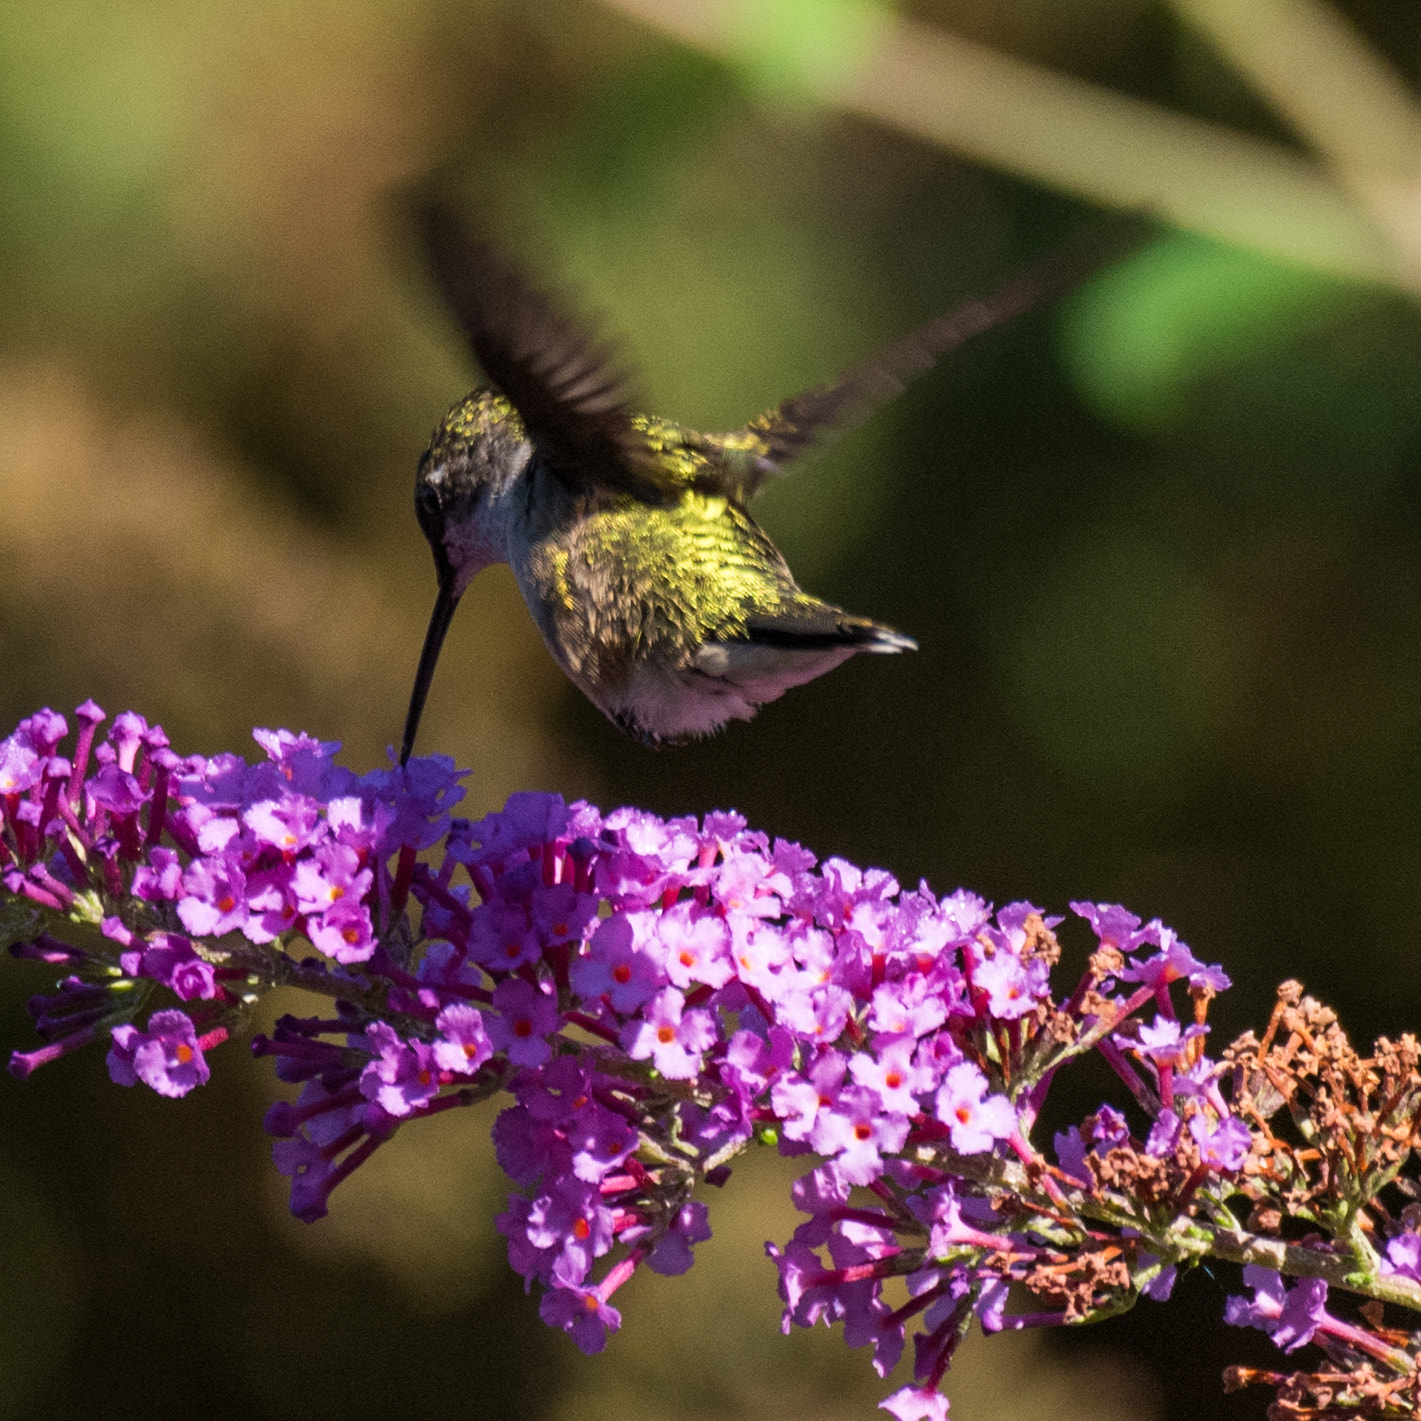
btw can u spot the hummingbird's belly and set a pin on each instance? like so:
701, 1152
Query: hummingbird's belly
724, 681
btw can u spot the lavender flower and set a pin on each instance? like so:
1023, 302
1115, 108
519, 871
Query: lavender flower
1290, 1316
167, 1056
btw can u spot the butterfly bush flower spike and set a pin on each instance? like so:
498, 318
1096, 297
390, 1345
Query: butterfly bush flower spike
654, 996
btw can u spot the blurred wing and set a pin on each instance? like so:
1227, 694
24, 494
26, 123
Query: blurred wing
564, 384
750, 455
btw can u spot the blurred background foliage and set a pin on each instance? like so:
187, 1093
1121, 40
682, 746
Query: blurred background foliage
1161, 546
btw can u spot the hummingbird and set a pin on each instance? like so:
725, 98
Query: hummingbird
629, 535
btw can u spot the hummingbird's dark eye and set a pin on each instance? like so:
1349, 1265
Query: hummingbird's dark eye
426, 507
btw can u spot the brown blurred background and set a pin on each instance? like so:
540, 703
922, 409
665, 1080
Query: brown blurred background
1161, 545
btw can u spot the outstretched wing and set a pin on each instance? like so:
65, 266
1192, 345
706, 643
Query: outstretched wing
564, 383
750, 455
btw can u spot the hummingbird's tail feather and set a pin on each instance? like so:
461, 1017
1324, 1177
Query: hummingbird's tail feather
779, 435
820, 627
886, 640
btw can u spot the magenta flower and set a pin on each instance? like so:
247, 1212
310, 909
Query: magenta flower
572, 1228
1114, 926
401, 1077
1012, 986
1164, 1134
166, 1057
581, 1313
1172, 962
1164, 1039
672, 1254
1403, 1255
855, 1133
215, 897
696, 945
600, 1140
671, 1037
161, 878
169, 959
975, 1120
116, 790
798, 1099
343, 931
271, 905
911, 1403
560, 913
502, 939
892, 1077
463, 1045
1290, 1316
525, 1019
616, 968
912, 1006
20, 766
1224, 1146
287, 825
760, 952
328, 875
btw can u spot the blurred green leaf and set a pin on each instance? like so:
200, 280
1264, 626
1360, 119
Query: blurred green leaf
1139, 337
794, 48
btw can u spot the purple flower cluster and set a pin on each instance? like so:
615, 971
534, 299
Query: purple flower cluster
186, 867
655, 995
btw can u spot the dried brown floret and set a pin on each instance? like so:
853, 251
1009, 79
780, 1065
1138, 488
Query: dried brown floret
1265, 1219
1040, 941
1079, 1283
1106, 961
1129, 1171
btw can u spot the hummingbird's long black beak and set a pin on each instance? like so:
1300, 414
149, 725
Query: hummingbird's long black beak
439, 619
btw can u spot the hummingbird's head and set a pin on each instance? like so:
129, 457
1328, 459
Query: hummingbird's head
463, 486
464, 499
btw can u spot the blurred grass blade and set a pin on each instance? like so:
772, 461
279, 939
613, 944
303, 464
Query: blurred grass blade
1338, 92
1321, 75
1079, 138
